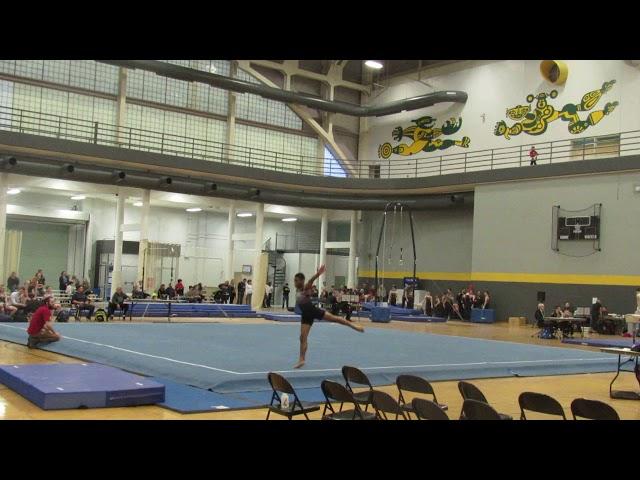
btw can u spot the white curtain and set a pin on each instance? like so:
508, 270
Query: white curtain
12, 252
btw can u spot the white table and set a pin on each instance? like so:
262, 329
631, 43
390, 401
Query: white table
633, 320
633, 358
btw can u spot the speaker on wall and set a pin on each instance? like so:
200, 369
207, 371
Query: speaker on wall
541, 297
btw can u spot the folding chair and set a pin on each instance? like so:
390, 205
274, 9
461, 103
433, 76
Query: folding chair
384, 404
414, 384
470, 392
541, 403
476, 410
427, 410
353, 375
335, 392
593, 410
296, 407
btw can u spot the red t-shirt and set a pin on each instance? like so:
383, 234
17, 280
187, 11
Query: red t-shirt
533, 153
38, 319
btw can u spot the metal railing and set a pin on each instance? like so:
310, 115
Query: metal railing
44, 124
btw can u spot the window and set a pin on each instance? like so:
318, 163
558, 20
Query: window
332, 167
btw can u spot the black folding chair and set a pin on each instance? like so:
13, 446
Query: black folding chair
593, 410
384, 404
476, 410
279, 384
414, 384
353, 375
540, 403
427, 410
338, 393
470, 392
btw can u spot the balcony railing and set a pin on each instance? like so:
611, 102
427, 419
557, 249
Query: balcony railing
572, 149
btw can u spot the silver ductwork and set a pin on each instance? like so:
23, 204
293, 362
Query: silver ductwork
240, 86
136, 179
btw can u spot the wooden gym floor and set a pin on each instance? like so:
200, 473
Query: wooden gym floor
502, 393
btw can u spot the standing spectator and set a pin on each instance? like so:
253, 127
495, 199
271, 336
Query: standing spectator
232, 293
285, 295
533, 155
539, 315
242, 286
13, 282
82, 302
63, 281
180, 287
40, 328
117, 302
596, 310
40, 277
268, 290
393, 296
249, 293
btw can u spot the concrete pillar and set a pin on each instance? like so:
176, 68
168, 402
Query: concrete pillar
323, 248
121, 105
116, 276
230, 137
144, 233
258, 290
351, 275
3, 222
230, 229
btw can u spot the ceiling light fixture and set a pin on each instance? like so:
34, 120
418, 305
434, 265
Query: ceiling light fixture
194, 209
78, 197
13, 191
137, 204
375, 64
245, 214
290, 219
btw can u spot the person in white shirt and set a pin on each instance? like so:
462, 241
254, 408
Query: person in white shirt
248, 293
268, 291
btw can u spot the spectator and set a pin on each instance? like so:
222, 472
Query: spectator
13, 282
232, 293
486, 300
596, 314
162, 292
82, 302
117, 302
71, 288
200, 291
40, 277
86, 285
40, 328
192, 294
268, 290
63, 281
242, 286
568, 306
180, 288
285, 295
249, 293
5, 303
539, 315
427, 304
171, 292
533, 155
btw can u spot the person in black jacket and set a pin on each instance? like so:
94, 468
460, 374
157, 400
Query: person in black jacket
539, 315
285, 295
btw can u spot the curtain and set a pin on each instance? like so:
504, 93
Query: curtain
12, 252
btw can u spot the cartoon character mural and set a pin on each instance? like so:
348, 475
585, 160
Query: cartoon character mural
424, 137
535, 122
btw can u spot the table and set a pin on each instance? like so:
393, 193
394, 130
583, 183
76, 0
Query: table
633, 357
633, 320
132, 301
570, 320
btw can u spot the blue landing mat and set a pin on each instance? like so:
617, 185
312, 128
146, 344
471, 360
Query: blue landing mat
418, 318
619, 342
186, 399
60, 386
232, 358
395, 310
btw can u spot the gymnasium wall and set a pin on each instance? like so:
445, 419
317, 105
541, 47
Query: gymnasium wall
492, 88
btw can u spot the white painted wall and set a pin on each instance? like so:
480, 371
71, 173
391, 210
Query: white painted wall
494, 86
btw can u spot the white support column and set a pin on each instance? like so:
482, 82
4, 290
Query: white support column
230, 229
258, 290
144, 233
323, 246
351, 276
116, 276
121, 105
3, 221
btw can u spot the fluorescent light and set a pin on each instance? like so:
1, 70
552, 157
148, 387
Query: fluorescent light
78, 197
290, 219
194, 209
137, 204
375, 64
245, 214
13, 191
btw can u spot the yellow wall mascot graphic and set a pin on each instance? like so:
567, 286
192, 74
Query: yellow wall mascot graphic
535, 122
424, 137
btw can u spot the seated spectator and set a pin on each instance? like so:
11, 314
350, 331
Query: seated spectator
192, 294
557, 312
48, 293
179, 287
568, 306
170, 292
71, 288
117, 302
40, 328
13, 282
32, 303
5, 303
40, 277
18, 298
82, 302
86, 285
162, 292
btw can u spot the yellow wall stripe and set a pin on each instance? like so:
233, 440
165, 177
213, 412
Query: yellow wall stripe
621, 280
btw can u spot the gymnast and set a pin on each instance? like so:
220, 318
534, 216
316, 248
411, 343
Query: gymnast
309, 312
